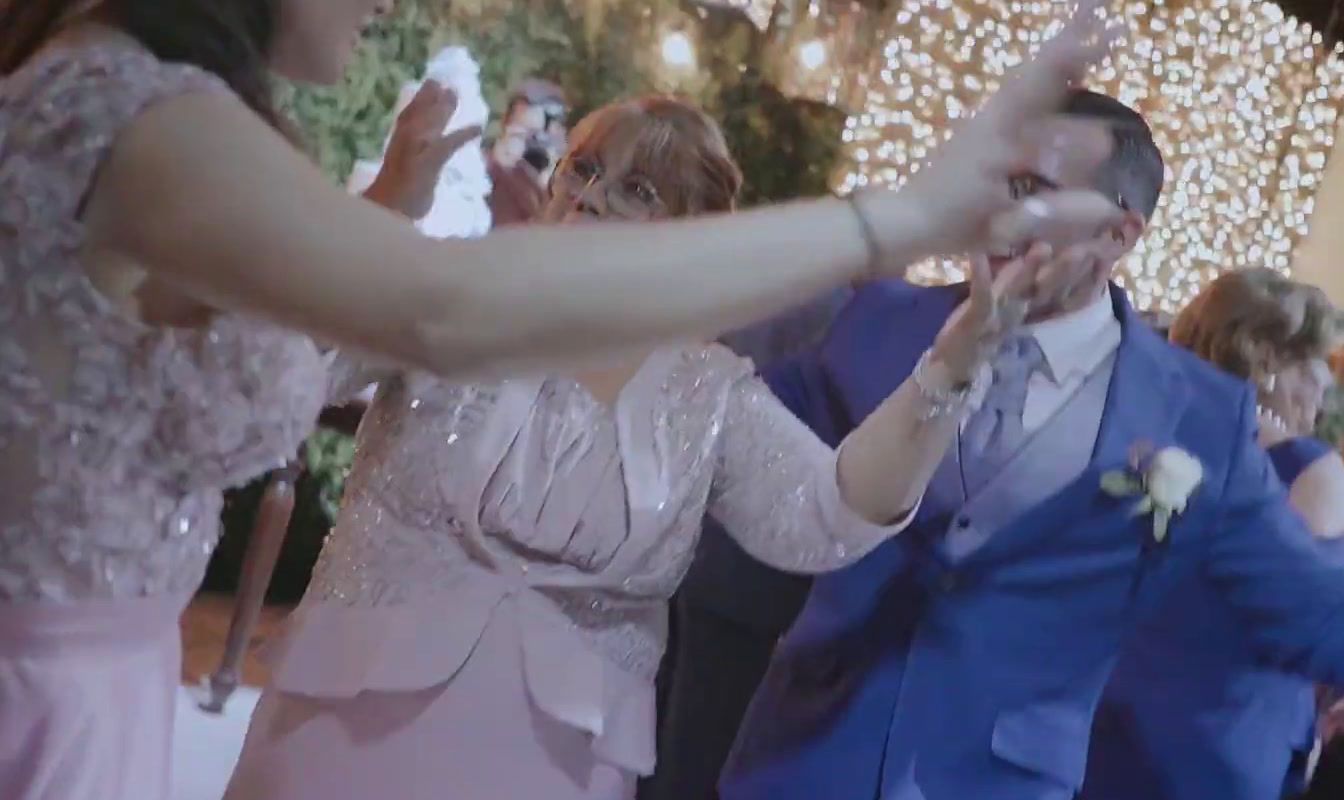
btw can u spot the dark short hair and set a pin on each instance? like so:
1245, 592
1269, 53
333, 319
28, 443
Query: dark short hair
230, 38
1135, 170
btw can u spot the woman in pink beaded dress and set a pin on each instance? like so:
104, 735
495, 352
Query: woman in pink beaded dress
488, 614
154, 229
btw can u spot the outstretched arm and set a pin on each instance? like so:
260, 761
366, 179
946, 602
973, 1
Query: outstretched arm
215, 204
1263, 558
776, 490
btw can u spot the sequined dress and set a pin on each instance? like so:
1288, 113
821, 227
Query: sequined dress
489, 612
117, 439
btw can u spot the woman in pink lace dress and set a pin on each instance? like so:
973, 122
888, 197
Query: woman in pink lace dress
487, 616
151, 219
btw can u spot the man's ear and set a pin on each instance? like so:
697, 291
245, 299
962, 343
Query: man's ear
1124, 236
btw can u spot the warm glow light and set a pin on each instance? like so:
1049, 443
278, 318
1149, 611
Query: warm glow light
678, 51
1242, 101
812, 54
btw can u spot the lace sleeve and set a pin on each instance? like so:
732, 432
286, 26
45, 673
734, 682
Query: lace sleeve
69, 105
775, 489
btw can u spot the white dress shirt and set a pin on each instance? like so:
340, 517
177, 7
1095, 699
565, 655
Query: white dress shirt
1074, 345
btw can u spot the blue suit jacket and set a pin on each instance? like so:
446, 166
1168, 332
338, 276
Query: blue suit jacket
911, 677
1191, 712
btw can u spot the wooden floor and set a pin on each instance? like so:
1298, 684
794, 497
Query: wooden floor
204, 627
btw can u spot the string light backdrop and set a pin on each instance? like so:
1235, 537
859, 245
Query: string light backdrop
1242, 100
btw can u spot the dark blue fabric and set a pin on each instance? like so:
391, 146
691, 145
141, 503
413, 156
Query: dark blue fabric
909, 676
1191, 708
1291, 456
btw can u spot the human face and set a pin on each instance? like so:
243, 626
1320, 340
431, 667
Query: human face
1055, 166
318, 37
602, 184
1299, 391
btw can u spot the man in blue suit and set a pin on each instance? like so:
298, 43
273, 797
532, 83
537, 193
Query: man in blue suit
963, 660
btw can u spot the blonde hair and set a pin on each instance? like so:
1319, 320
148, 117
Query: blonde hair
675, 145
1251, 321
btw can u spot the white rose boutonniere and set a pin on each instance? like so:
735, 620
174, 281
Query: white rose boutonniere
1164, 481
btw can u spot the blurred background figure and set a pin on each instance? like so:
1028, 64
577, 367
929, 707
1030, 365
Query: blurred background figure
532, 139
458, 206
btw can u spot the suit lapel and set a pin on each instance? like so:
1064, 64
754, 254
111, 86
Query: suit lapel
870, 357
1144, 403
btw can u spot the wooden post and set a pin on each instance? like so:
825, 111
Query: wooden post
263, 551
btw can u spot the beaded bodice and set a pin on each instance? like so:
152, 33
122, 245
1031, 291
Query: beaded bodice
117, 437
596, 509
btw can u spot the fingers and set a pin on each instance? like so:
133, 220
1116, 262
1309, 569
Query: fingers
430, 110
1061, 216
1038, 86
1017, 279
982, 282
1060, 145
1076, 273
450, 144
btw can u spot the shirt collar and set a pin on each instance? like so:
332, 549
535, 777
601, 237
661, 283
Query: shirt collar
1070, 341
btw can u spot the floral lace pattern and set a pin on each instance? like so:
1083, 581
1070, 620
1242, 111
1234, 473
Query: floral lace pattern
118, 437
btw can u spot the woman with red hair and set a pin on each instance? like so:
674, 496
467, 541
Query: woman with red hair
488, 614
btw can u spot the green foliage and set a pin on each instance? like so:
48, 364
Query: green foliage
1330, 426
328, 455
350, 122
787, 147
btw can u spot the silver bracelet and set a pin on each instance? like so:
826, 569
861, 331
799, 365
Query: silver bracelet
940, 401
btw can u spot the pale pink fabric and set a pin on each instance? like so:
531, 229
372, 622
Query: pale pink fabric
87, 695
526, 504
117, 439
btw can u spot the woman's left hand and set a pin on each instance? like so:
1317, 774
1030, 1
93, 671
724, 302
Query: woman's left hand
418, 150
1033, 284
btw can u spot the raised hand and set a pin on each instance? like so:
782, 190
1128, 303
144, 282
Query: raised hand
1032, 285
418, 150
961, 200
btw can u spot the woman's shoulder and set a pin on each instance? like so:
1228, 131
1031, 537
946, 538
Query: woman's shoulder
94, 66
73, 98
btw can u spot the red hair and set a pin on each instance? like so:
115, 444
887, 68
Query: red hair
674, 144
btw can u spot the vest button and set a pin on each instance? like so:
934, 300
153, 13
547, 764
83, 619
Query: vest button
963, 523
948, 582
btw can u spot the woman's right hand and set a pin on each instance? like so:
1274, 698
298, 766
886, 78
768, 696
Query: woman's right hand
999, 304
961, 202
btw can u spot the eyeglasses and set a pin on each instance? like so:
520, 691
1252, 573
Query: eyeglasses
1029, 183
633, 197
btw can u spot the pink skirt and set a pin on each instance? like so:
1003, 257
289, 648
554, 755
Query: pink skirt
87, 696
476, 736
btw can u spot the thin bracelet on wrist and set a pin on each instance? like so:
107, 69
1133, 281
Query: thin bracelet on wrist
867, 231
942, 401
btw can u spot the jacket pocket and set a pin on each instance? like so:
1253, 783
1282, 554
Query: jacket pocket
1049, 739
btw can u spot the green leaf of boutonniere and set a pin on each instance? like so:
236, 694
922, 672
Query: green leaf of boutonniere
1118, 483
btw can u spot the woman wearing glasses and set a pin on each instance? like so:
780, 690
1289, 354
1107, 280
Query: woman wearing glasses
488, 614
